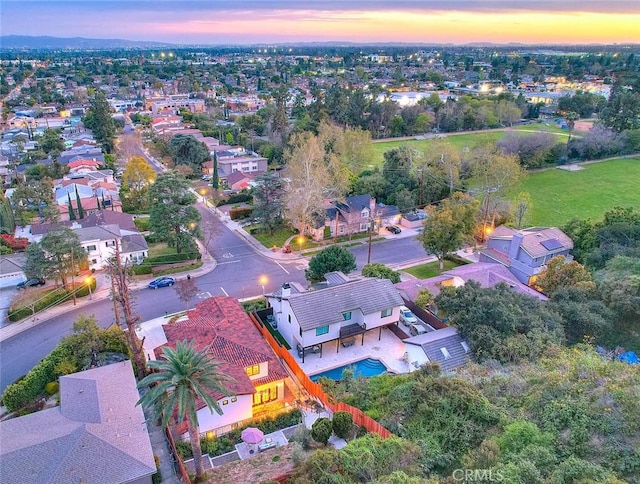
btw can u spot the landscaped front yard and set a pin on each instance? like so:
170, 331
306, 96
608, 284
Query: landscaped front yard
432, 269
560, 195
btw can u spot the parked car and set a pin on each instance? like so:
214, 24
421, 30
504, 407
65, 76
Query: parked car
162, 282
394, 229
416, 329
34, 281
206, 178
406, 316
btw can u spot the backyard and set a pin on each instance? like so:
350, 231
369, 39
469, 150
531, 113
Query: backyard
560, 195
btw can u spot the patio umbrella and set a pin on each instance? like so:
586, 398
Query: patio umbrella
252, 435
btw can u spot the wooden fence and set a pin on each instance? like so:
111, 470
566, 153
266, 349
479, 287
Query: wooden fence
314, 389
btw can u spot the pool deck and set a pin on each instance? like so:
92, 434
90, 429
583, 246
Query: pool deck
389, 350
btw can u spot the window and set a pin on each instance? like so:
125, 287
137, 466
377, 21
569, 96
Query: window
322, 330
386, 313
289, 318
91, 248
234, 399
110, 243
465, 346
300, 331
252, 370
445, 353
346, 316
265, 396
225, 402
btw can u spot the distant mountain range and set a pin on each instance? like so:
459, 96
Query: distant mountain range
44, 42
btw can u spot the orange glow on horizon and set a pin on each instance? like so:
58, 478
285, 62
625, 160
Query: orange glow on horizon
423, 27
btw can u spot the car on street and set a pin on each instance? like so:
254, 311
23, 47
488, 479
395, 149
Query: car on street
406, 316
206, 178
34, 281
162, 282
394, 229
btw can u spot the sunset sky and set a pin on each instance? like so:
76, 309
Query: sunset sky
271, 21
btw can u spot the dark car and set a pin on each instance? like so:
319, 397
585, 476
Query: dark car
162, 282
394, 229
33, 282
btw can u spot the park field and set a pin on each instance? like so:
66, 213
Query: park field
558, 195
461, 141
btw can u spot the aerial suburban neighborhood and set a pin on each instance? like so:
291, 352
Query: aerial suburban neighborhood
318, 262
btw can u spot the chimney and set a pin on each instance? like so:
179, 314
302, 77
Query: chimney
286, 289
515, 245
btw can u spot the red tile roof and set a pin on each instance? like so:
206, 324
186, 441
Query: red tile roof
220, 325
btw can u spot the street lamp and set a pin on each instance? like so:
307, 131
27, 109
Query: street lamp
300, 240
263, 282
203, 193
88, 283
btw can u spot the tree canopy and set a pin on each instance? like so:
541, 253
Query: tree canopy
188, 151
98, 119
333, 258
137, 177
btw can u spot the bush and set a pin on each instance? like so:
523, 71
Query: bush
144, 268
184, 450
302, 436
216, 446
240, 213
342, 424
142, 223
239, 198
52, 387
19, 243
321, 430
172, 258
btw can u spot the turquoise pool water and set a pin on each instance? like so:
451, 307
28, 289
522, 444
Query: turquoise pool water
367, 367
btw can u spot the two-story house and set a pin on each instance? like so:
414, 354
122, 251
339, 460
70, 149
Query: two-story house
354, 215
220, 326
341, 311
525, 252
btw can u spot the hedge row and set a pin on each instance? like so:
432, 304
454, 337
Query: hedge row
32, 386
237, 198
240, 213
171, 258
51, 298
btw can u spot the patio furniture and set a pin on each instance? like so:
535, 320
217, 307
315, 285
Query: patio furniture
346, 342
267, 444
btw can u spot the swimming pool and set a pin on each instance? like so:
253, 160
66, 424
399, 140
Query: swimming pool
366, 367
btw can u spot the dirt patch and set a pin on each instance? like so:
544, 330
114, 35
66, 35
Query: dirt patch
268, 465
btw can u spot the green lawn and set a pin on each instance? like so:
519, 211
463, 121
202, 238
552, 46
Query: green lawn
460, 141
278, 238
432, 269
559, 195
160, 248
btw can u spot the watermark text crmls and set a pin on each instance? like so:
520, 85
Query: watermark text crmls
477, 475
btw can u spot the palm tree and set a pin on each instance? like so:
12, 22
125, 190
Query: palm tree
181, 377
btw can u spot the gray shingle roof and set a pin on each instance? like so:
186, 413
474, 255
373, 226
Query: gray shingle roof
325, 306
97, 435
433, 342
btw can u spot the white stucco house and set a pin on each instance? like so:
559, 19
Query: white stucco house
342, 311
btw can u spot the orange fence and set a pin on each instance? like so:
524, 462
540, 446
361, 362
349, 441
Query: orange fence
183, 470
314, 389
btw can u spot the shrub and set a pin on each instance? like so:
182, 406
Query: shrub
239, 198
52, 387
19, 243
297, 453
50, 298
342, 424
184, 450
144, 268
240, 213
142, 223
216, 446
302, 436
172, 258
321, 430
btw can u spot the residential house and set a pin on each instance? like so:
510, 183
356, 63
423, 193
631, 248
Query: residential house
11, 269
98, 435
525, 252
487, 274
354, 215
442, 346
342, 310
220, 326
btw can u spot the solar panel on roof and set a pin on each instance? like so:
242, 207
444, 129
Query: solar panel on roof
551, 244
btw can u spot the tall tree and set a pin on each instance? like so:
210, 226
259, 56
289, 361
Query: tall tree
448, 227
182, 377
172, 215
268, 200
72, 213
98, 119
51, 142
215, 182
35, 198
57, 256
137, 177
186, 150
79, 203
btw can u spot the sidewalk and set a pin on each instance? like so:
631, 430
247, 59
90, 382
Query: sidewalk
103, 288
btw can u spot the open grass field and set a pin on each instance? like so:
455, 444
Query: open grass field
462, 141
559, 195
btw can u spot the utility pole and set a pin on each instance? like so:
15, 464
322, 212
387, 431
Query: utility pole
73, 278
490, 190
115, 302
119, 278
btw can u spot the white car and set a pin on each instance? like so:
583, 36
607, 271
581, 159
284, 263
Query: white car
406, 316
